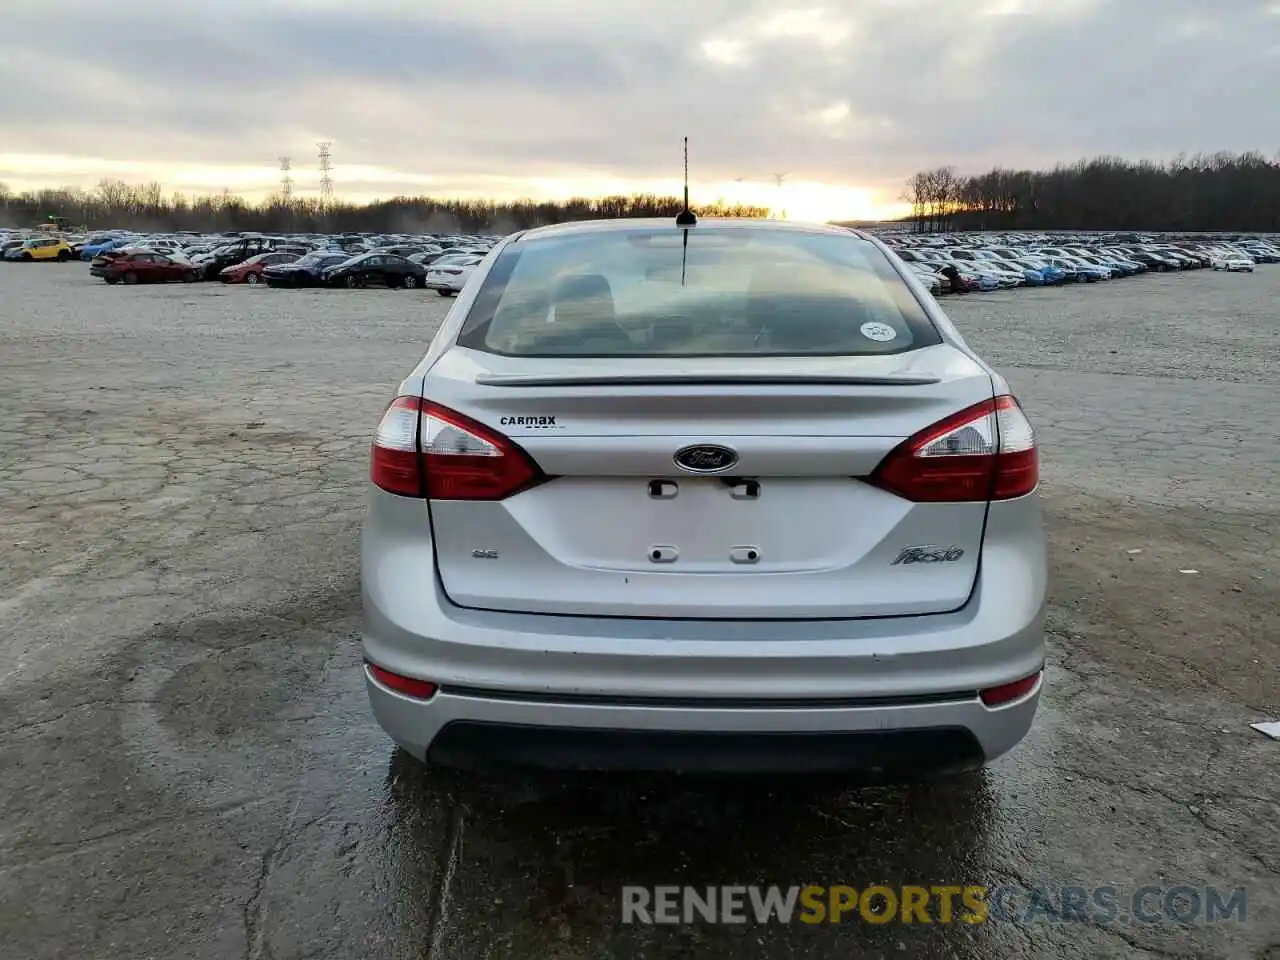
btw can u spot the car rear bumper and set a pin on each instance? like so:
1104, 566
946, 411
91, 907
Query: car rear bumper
885, 740
896, 754
601, 692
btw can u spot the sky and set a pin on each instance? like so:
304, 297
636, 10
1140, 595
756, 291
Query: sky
553, 98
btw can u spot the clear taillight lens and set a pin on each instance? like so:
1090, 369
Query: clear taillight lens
394, 463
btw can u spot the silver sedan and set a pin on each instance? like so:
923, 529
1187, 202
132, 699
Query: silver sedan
730, 496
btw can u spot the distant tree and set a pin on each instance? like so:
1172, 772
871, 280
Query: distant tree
916, 193
113, 194
1204, 192
117, 204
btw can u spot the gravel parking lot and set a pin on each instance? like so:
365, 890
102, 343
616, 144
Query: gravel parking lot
189, 769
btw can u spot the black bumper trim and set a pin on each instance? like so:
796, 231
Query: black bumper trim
713, 703
878, 755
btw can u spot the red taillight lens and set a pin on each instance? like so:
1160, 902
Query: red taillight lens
409, 686
465, 460
425, 450
1009, 692
984, 452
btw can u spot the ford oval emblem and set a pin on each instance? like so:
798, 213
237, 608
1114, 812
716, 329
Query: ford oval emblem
705, 458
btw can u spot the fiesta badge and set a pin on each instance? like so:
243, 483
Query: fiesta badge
705, 458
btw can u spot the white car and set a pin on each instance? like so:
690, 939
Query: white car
1232, 262
930, 278
448, 275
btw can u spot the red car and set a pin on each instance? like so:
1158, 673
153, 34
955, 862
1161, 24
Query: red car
250, 271
142, 267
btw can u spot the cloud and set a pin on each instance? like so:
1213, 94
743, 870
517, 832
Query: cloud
419, 94
834, 114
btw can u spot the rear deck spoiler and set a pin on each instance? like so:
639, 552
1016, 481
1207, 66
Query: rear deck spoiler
696, 379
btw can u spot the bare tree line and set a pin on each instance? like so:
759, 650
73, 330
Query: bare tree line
1204, 192
1210, 192
116, 204
934, 196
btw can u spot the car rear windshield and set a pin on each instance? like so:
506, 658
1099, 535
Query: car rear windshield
727, 292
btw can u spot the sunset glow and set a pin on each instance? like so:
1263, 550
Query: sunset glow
794, 199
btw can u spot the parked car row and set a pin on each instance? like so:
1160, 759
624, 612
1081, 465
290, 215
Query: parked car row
439, 262
289, 269
956, 263
962, 263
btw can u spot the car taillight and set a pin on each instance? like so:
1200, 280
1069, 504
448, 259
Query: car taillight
422, 449
984, 452
395, 464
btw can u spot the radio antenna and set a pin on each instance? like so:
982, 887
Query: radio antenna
686, 217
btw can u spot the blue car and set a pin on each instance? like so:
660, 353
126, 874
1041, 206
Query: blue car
91, 250
1091, 272
1031, 276
1071, 273
1049, 274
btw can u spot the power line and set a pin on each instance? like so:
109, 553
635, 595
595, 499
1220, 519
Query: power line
778, 178
326, 168
286, 181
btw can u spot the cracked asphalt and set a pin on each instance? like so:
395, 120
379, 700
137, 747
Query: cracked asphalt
188, 768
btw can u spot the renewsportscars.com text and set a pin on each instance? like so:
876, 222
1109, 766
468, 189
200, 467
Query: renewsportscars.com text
938, 903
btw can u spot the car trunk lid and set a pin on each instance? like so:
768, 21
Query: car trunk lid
786, 531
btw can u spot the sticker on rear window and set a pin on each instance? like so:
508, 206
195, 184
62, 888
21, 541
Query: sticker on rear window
879, 331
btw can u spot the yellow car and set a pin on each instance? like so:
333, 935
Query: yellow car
41, 248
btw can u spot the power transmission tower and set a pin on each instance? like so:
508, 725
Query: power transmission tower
326, 181
778, 178
286, 181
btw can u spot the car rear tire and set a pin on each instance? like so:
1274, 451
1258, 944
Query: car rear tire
130, 277
410, 282
27, 258
64, 256
111, 280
